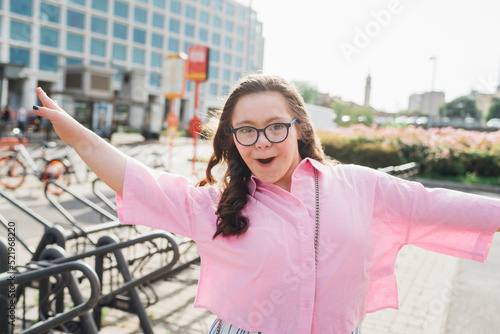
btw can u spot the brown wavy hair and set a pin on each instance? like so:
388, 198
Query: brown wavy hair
230, 221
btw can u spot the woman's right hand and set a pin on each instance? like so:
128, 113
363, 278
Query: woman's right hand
65, 126
107, 162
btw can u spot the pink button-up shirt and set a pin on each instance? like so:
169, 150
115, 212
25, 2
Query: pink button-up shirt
265, 280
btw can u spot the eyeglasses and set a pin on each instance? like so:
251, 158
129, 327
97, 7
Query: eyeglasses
275, 133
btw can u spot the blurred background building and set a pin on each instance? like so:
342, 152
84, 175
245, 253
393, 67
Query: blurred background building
102, 59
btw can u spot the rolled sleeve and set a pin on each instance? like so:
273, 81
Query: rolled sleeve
161, 200
454, 223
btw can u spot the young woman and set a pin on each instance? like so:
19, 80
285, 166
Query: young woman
289, 243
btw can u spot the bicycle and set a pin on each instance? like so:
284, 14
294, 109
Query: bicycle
13, 170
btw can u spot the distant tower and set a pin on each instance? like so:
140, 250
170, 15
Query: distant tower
368, 88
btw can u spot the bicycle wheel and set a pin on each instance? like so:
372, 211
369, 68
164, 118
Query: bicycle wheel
56, 170
12, 172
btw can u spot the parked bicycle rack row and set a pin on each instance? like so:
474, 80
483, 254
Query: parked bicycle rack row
41, 272
116, 263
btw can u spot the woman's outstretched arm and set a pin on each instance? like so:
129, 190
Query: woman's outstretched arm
105, 160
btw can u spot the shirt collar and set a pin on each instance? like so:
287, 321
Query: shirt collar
304, 164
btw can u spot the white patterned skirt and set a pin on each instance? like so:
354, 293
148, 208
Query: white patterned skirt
221, 327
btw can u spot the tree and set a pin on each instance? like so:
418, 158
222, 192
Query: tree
460, 107
308, 91
347, 115
494, 111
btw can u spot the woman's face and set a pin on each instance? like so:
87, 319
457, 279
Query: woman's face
269, 162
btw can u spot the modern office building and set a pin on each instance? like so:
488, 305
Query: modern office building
103, 59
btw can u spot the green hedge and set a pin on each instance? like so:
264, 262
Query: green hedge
381, 152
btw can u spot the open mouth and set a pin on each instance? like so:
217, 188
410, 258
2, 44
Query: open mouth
266, 161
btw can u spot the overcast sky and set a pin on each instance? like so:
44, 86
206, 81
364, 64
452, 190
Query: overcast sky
334, 44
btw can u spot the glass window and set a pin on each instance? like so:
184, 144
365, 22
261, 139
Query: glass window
225, 90
240, 31
74, 42
203, 35
20, 31
98, 47
239, 46
229, 26
204, 17
145, 1
157, 40
241, 13
215, 38
226, 75
159, 3
228, 42
101, 5
121, 9
213, 89
97, 63
189, 30
155, 80
229, 9
214, 56
138, 56
47, 62
218, 5
119, 30
238, 62
23, 7
118, 73
74, 61
190, 12
156, 59
49, 13
174, 26
119, 52
236, 76
205, 3
187, 45
227, 59
20, 56
140, 15
78, 2
75, 19
213, 72
158, 21
99, 25
49, 37
139, 36
175, 6
217, 22
173, 45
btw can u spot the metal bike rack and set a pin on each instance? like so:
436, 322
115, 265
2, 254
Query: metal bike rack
103, 197
116, 299
80, 198
44, 270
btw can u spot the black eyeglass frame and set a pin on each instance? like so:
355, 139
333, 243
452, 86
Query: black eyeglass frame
263, 130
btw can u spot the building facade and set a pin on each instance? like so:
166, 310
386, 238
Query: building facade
427, 103
103, 59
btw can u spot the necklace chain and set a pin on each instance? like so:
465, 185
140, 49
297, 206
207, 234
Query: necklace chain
316, 238
316, 235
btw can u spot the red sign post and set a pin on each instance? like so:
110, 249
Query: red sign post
197, 70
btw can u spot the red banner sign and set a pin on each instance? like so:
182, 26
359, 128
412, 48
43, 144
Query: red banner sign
197, 68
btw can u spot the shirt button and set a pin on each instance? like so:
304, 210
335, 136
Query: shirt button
306, 232
308, 267
307, 304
